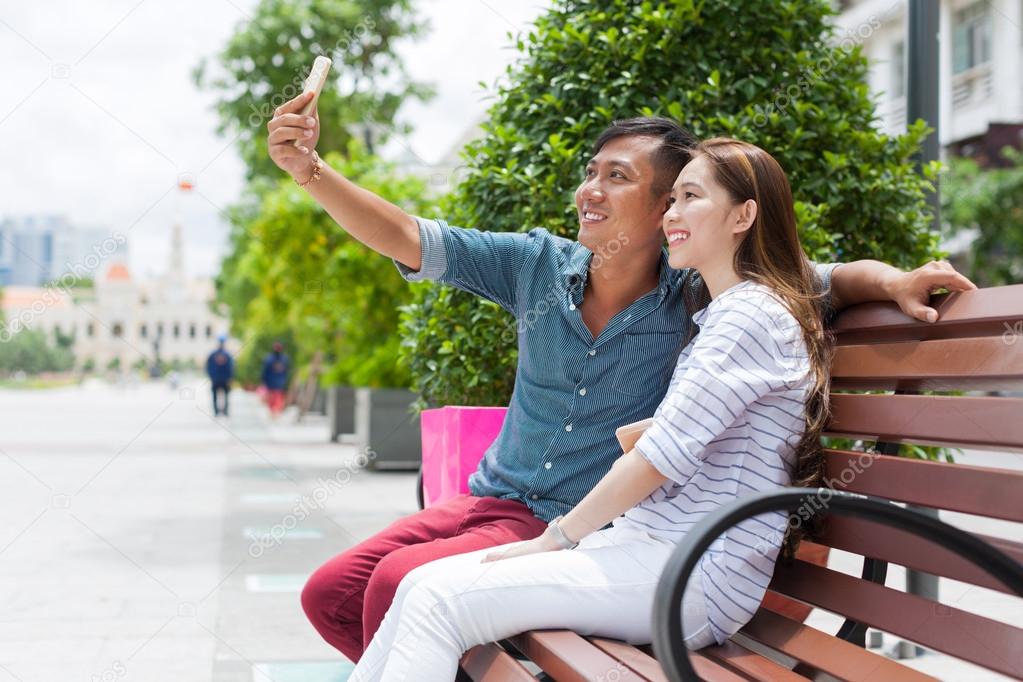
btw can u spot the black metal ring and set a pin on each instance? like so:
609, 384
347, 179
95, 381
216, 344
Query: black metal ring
667, 616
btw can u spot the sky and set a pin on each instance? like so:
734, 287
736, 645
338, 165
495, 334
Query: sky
99, 117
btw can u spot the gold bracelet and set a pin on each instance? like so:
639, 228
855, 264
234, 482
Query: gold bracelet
317, 167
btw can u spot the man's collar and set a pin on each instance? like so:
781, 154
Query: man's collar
577, 267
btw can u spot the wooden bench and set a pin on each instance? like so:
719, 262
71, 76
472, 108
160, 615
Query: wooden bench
922, 370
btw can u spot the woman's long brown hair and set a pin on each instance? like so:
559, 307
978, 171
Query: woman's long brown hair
770, 254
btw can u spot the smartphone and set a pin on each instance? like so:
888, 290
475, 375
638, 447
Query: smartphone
314, 83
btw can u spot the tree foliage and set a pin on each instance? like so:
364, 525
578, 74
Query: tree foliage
30, 351
317, 289
771, 72
268, 58
290, 274
991, 202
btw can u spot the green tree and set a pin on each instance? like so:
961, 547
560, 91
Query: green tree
268, 58
30, 351
990, 201
771, 72
262, 66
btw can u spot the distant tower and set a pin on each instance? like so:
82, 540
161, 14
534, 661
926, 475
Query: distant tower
176, 268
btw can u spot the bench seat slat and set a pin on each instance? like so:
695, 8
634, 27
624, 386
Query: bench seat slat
837, 657
632, 658
750, 663
491, 663
877, 541
564, 655
978, 422
985, 491
989, 643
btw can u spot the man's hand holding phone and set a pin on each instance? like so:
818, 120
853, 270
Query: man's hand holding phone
288, 127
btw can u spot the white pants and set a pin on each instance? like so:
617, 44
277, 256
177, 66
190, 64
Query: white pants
604, 587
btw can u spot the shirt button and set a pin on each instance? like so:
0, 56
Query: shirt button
568, 428
547, 465
534, 497
582, 391
571, 306
593, 351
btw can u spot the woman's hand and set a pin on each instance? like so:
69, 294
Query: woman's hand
544, 543
285, 127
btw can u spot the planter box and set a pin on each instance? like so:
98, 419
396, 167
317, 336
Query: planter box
341, 409
454, 440
385, 424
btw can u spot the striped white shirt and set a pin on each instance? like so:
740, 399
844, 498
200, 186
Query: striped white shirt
728, 426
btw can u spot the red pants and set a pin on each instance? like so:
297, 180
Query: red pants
347, 597
275, 400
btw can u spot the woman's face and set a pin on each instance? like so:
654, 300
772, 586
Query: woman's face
701, 219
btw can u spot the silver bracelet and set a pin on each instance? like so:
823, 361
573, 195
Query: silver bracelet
559, 535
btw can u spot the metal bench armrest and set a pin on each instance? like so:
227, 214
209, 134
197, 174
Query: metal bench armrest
667, 615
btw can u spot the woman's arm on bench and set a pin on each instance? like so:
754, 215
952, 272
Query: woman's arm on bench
870, 280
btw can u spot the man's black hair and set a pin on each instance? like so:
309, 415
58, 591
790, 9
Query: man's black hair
673, 153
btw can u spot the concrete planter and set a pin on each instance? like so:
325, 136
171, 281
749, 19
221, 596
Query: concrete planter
341, 409
385, 425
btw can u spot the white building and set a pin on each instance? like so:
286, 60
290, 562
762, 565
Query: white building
981, 59
124, 318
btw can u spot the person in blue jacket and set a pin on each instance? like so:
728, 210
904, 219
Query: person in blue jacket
220, 369
276, 368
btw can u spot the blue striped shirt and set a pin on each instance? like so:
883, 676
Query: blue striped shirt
728, 427
571, 391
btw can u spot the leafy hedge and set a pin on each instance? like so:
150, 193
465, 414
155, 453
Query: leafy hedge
767, 71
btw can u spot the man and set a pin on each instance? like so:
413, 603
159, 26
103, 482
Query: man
274, 378
601, 322
220, 369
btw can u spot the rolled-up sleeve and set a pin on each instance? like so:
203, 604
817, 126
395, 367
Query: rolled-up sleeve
488, 264
825, 272
433, 255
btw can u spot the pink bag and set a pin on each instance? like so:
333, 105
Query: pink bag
454, 440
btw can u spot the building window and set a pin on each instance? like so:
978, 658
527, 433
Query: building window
89, 330
143, 331
191, 331
209, 331
177, 330
117, 330
159, 330
898, 76
971, 37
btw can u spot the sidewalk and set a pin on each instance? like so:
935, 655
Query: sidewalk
141, 536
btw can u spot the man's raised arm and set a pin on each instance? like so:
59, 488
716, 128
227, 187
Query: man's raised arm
870, 280
372, 220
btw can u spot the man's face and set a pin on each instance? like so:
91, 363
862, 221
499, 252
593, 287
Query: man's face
616, 199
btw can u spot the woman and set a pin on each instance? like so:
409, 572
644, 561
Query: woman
743, 413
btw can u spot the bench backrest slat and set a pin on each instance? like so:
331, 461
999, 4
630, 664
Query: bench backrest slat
905, 549
967, 636
985, 312
986, 364
986, 491
954, 421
